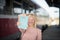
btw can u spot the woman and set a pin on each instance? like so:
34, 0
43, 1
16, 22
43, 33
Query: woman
31, 33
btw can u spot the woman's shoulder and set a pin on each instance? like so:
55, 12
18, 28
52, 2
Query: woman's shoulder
35, 29
38, 29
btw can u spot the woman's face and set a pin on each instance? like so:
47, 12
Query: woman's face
31, 21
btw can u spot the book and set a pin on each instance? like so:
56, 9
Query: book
23, 22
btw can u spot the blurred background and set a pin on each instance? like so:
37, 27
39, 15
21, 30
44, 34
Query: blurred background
46, 11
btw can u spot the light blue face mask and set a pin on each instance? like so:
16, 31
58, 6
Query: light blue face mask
23, 22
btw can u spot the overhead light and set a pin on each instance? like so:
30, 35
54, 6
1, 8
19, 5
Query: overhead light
41, 3
17, 10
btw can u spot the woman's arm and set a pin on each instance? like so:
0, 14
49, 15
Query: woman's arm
39, 34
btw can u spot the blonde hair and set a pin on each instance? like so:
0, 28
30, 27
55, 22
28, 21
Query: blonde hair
35, 19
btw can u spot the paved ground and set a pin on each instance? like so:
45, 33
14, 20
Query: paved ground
52, 33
